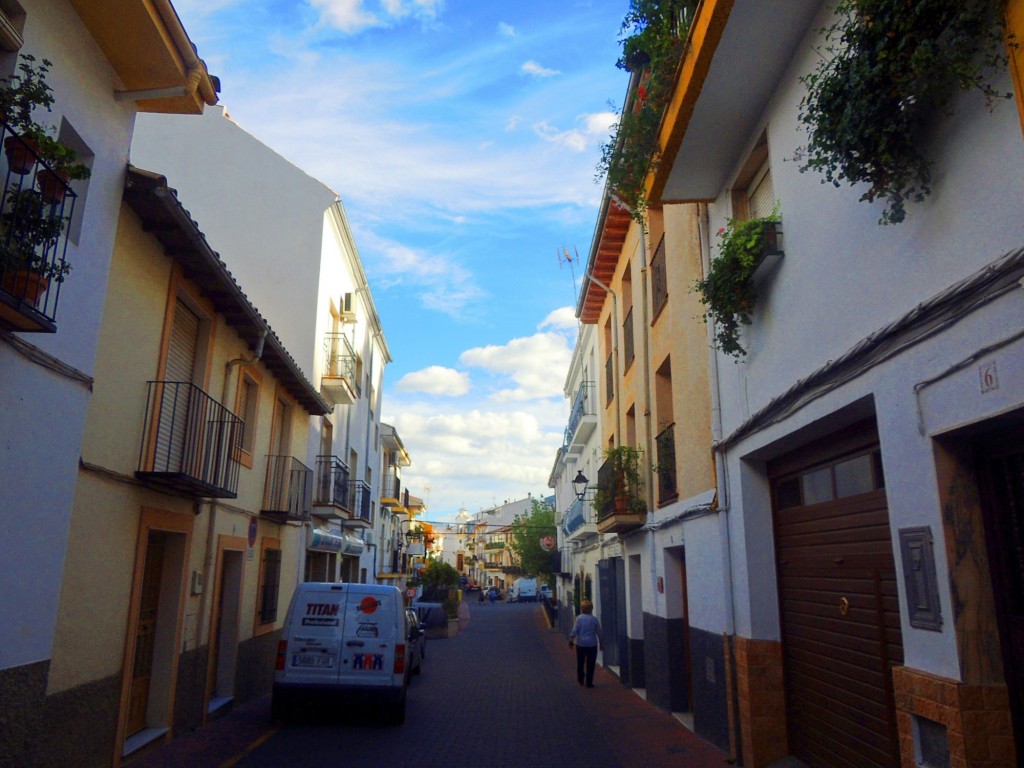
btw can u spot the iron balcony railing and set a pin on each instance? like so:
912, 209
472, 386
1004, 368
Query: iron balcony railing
332, 482
288, 493
582, 406
627, 340
190, 441
579, 513
36, 207
391, 486
666, 445
339, 357
609, 379
359, 494
659, 278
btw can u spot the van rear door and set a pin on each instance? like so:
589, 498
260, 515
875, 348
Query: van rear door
373, 620
315, 628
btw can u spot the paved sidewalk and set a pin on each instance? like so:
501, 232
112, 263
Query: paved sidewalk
506, 654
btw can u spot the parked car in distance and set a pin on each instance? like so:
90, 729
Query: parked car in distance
417, 642
545, 592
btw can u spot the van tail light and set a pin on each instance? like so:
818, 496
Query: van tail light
400, 659
282, 652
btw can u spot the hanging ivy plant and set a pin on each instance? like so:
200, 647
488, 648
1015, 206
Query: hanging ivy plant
728, 291
653, 47
887, 66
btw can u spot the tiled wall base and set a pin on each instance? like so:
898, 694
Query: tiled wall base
761, 701
976, 719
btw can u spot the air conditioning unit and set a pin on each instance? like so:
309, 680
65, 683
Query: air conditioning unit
347, 310
368, 538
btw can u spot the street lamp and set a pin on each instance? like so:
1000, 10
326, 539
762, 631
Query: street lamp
579, 484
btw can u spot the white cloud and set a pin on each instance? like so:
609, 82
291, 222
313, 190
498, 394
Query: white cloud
593, 130
535, 69
561, 319
529, 362
435, 380
506, 30
352, 16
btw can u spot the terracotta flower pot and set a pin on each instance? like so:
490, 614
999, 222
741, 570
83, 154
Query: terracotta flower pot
25, 284
21, 154
53, 186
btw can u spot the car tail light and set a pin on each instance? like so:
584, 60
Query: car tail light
400, 659
282, 652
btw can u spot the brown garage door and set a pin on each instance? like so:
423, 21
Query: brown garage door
838, 603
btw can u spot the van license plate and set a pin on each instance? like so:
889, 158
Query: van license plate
312, 660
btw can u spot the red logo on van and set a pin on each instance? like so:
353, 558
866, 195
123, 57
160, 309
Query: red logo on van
368, 605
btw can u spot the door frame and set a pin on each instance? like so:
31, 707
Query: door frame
225, 544
165, 522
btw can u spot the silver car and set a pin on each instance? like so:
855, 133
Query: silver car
417, 642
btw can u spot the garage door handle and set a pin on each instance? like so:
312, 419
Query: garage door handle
355, 643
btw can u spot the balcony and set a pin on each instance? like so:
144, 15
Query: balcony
619, 500
391, 488
578, 520
288, 493
582, 418
494, 545
190, 442
665, 442
331, 499
338, 381
359, 495
35, 208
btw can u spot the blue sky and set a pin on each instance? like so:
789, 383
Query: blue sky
462, 137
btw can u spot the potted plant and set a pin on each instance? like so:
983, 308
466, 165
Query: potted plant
728, 290
886, 68
653, 48
22, 96
622, 492
28, 244
63, 168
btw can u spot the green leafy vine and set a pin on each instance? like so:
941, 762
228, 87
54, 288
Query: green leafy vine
887, 66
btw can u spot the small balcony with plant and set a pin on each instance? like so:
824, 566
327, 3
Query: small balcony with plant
331, 494
288, 492
582, 418
190, 442
36, 202
338, 381
619, 497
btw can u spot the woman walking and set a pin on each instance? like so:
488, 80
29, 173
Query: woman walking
586, 636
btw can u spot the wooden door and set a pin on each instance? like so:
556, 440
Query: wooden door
1001, 471
839, 610
145, 634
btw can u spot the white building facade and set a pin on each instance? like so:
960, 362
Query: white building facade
324, 311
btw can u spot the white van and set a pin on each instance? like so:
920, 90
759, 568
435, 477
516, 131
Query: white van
524, 591
343, 641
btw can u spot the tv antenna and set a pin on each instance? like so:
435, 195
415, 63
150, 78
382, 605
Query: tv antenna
564, 256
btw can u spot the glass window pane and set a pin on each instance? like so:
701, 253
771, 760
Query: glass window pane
854, 476
817, 486
787, 493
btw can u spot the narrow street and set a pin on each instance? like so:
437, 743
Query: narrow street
502, 693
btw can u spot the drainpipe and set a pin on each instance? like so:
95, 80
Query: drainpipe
208, 558
648, 433
721, 485
615, 349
